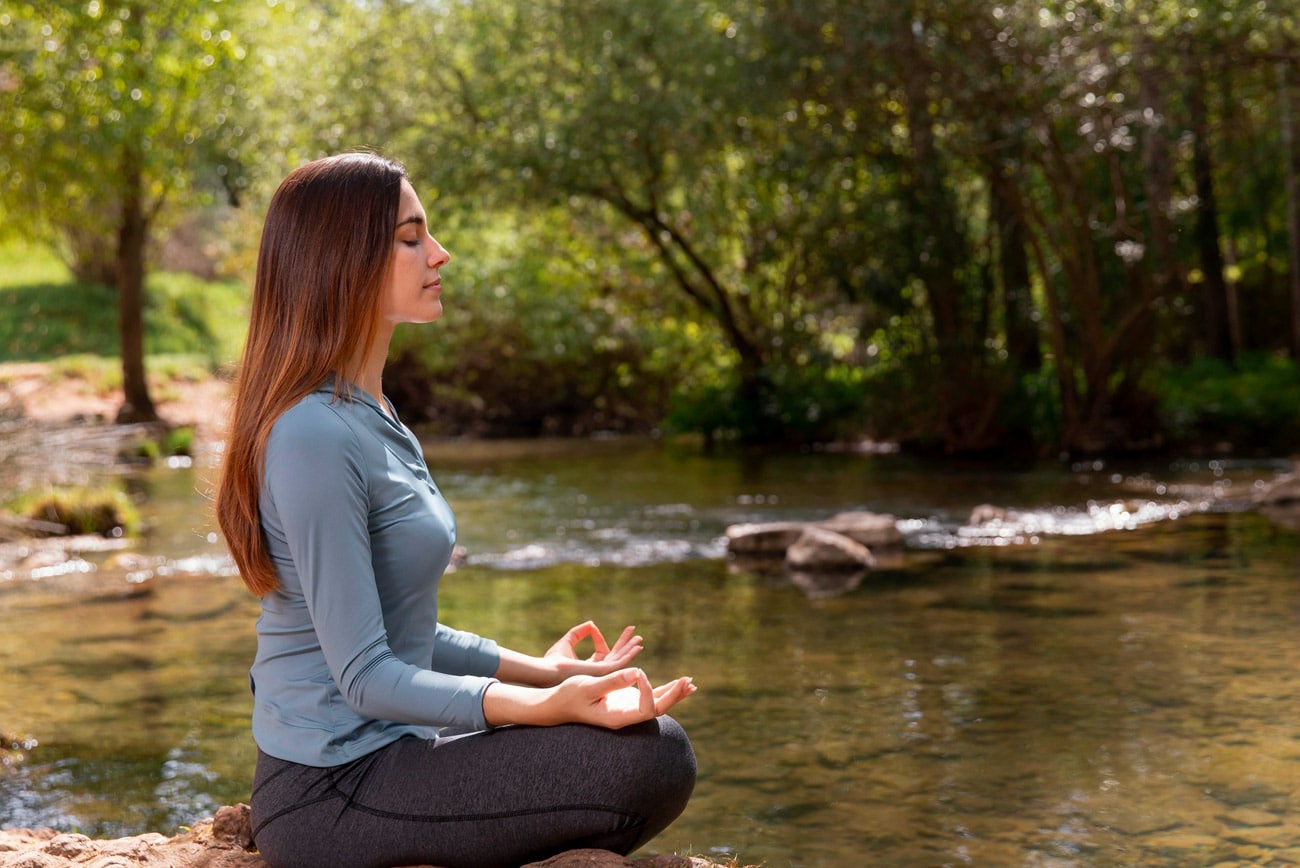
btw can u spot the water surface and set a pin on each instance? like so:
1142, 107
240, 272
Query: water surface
1104, 678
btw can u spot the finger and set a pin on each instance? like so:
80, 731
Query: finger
623, 652
675, 693
628, 635
627, 654
647, 704
579, 632
683, 684
582, 631
597, 638
603, 685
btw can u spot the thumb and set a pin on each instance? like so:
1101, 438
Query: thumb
617, 680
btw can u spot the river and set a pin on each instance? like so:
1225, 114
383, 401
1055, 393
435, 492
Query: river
1103, 678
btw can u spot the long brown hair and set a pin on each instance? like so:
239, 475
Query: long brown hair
324, 256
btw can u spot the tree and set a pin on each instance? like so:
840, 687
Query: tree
663, 118
112, 112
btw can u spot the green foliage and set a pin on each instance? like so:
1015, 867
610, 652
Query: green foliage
43, 321
173, 442
186, 315
526, 346
179, 441
654, 124
103, 374
807, 404
49, 319
48, 315
107, 511
24, 263
1254, 403
103, 87
957, 224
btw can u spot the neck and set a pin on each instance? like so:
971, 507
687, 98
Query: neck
367, 373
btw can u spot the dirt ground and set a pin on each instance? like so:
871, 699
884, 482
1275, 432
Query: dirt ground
29, 390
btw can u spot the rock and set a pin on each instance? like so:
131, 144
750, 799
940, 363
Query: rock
986, 513
1251, 817
221, 843
1268, 837
20, 839
225, 841
69, 846
606, 859
1283, 491
820, 550
233, 824
873, 530
769, 539
1182, 843
1279, 502
44, 559
773, 539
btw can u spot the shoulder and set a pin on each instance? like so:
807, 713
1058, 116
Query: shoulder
317, 423
315, 454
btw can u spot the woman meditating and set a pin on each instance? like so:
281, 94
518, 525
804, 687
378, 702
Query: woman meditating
386, 738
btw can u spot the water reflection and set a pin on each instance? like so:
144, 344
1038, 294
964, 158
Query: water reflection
1120, 698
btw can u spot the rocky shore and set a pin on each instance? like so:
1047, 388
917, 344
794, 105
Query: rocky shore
225, 841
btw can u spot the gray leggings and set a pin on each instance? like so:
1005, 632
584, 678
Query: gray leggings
495, 799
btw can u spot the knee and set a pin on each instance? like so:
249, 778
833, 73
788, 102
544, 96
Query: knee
676, 757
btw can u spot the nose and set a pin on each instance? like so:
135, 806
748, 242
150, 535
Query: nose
438, 255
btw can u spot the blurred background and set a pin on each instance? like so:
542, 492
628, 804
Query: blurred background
965, 227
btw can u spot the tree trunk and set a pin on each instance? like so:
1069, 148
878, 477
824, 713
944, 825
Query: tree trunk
968, 398
1292, 202
1013, 264
1216, 319
132, 234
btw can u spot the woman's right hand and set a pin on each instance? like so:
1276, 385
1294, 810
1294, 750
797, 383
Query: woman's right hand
613, 701
621, 698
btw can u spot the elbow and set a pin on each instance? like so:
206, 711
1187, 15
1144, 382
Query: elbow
367, 689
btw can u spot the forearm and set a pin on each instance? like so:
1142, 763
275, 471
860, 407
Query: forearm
614, 700
461, 653
517, 668
513, 703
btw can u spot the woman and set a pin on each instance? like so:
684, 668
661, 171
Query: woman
384, 737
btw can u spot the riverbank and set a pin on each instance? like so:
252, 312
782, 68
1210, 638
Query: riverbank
224, 841
47, 394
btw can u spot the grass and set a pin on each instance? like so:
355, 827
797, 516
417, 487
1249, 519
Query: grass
104, 373
105, 510
46, 315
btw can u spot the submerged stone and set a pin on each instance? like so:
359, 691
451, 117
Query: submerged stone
821, 550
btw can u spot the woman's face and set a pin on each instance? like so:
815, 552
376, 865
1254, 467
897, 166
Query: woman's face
414, 290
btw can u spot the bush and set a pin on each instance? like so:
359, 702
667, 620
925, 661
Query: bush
1252, 404
527, 346
800, 404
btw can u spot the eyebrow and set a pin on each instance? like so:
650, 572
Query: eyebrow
414, 218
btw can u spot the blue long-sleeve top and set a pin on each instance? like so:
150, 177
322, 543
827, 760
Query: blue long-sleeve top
350, 654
